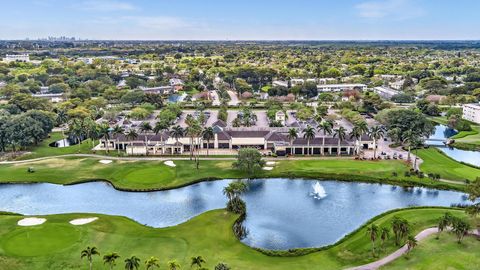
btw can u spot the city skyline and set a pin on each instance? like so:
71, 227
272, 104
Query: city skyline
245, 20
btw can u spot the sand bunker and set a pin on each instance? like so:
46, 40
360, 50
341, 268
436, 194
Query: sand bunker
271, 163
32, 221
82, 221
105, 161
169, 163
267, 168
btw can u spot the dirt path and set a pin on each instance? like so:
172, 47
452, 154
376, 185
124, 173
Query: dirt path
401, 251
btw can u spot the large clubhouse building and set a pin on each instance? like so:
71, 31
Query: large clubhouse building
274, 140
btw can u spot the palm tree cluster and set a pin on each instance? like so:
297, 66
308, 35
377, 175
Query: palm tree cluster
133, 262
374, 232
401, 229
233, 191
459, 227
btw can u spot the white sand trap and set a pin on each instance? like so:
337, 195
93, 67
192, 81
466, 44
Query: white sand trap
31, 221
105, 161
271, 163
82, 221
169, 163
267, 168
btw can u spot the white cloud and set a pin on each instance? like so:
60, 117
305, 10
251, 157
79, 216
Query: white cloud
395, 9
104, 5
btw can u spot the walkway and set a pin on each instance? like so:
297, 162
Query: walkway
401, 251
233, 98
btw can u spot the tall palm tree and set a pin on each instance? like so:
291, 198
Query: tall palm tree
110, 259
131, 135
145, 127
152, 263
372, 232
88, 253
161, 126
384, 235
105, 132
309, 134
117, 130
409, 139
208, 134
173, 265
292, 136
376, 133
62, 119
411, 243
177, 132
340, 132
198, 261
356, 134
400, 228
132, 263
327, 128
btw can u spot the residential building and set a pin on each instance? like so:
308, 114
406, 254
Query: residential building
341, 87
163, 90
280, 84
280, 117
24, 57
53, 97
176, 83
471, 112
294, 82
385, 92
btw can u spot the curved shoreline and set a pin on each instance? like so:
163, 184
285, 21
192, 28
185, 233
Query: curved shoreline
298, 252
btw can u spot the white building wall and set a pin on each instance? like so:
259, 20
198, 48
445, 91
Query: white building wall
471, 112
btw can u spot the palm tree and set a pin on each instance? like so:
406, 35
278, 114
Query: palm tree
309, 134
88, 253
292, 136
177, 132
208, 134
161, 126
372, 232
132, 263
145, 127
62, 119
117, 130
376, 133
409, 138
131, 135
340, 132
105, 132
152, 263
110, 259
411, 243
460, 228
198, 261
356, 134
327, 128
173, 265
400, 228
384, 235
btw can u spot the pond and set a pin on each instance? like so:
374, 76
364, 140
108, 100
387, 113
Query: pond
281, 213
175, 98
63, 143
443, 132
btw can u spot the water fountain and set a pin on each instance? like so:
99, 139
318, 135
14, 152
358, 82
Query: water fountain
318, 191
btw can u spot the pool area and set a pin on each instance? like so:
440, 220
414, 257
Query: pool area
443, 132
281, 213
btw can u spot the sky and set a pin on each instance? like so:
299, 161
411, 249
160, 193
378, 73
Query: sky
241, 19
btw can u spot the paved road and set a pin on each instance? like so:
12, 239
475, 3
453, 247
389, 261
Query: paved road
401, 251
233, 98
215, 98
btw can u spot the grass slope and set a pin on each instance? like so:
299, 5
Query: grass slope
57, 244
142, 175
445, 253
436, 162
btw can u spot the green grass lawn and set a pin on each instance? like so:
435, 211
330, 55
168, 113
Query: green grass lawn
56, 244
436, 162
44, 150
445, 253
142, 175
